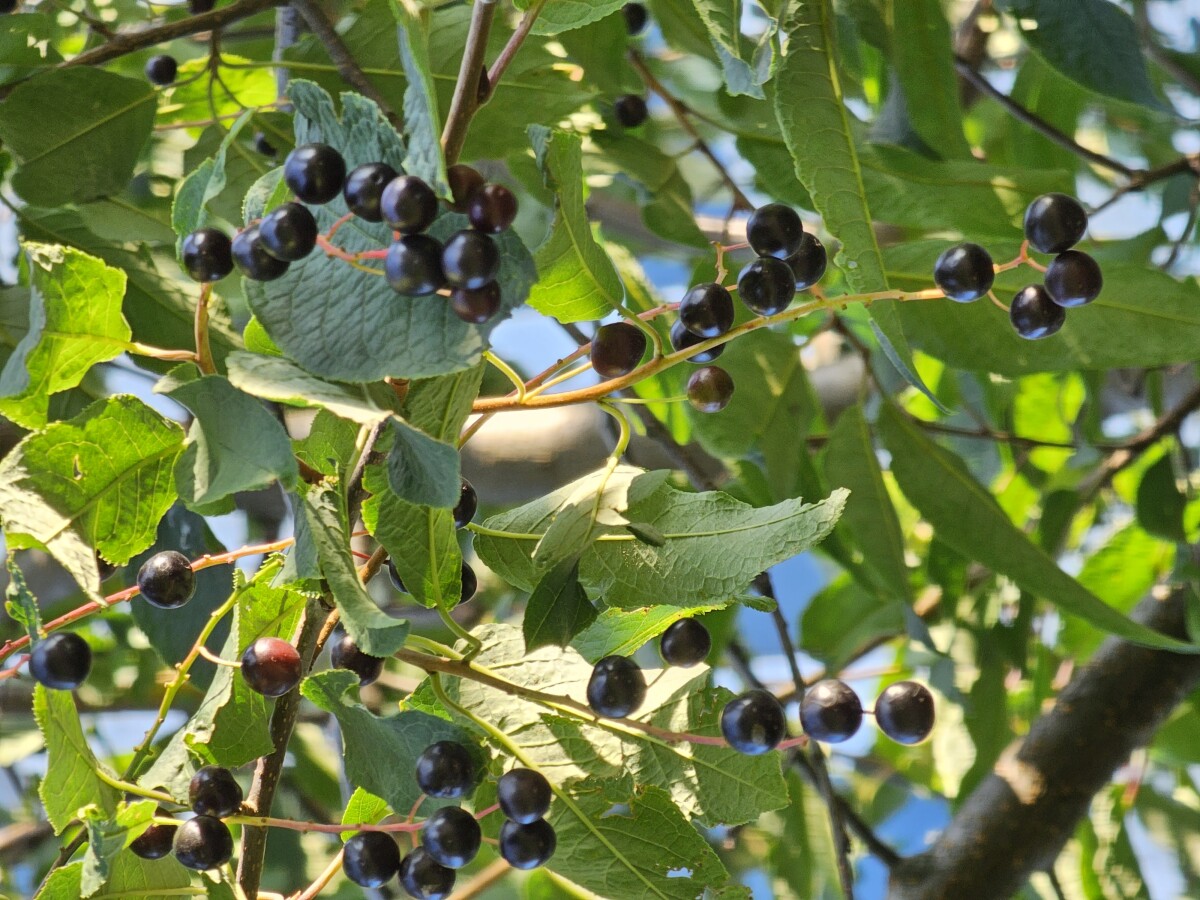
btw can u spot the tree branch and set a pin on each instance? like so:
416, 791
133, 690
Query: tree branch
467, 89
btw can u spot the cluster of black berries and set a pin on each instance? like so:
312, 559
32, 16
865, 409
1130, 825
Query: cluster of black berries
1054, 223
202, 842
832, 712
464, 512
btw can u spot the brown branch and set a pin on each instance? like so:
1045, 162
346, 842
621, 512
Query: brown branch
466, 90
500, 66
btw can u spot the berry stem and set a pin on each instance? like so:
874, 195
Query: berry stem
350, 259
203, 356
321, 827
474, 645
218, 661
321, 882
130, 788
508, 372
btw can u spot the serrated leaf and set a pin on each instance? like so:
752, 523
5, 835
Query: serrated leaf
715, 545
107, 836
723, 20
130, 878
558, 609
100, 481
329, 445
422, 469
19, 600
71, 783
203, 184
557, 16
363, 806
75, 322
278, 379
622, 632
576, 279
422, 122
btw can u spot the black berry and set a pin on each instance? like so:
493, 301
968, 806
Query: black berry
1055, 222
468, 503
831, 712
527, 846
617, 349
155, 842
617, 687
424, 878
476, 306
636, 17
345, 654
166, 580
288, 232
904, 712
682, 339
767, 285
214, 791
470, 259
707, 310
524, 795
364, 189
104, 568
371, 858
207, 255
452, 837
315, 172
464, 182
630, 110
271, 666
61, 661
1034, 314
414, 265
161, 69
775, 230
253, 259
753, 723
1073, 279
196, 7
964, 272
408, 204
492, 208
203, 843
686, 643
710, 389
264, 146
446, 770
809, 262
397, 582
470, 583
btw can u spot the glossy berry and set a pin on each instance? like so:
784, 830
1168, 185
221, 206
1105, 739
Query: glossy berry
364, 189
527, 846
831, 712
252, 258
408, 204
470, 259
492, 208
452, 837
203, 843
315, 172
464, 182
617, 687
371, 858
710, 389
61, 661
904, 712
686, 643
394, 575
214, 791
155, 842
682, 339
753, 723
345, 654
524, 795
264, 146
166, 580
1073, 279
767, 285
288, 232
1055, 222
424, 878
446, 770
207, 255
1034, 314
476, 306
161, 69
414, 265
630, 110
617, 349
636, 17
196, 7
964, 272
707, 310
271, 666
809, 262
468, 503
470, 583
775, 230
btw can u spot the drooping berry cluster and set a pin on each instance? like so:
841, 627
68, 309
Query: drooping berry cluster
202, 842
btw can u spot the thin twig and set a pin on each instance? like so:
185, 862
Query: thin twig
466, 90
482, 880
496, 72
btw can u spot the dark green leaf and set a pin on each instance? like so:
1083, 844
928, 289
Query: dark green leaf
71, 783
422, 469
558, 609
1160, 505
422, 121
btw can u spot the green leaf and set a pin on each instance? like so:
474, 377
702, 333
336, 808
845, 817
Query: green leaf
203, 184
715, 545
372, 629
100, 481
576, 279
1160, 505
234, 444
277, 379
557, 16
723, 20
71, 783
346, 324
422, 469
968, 519
107, 836
363, 806
422, 121
75, 322
622, 632
380, 751
20, 603
845, 618
87, 122
329, 446
130, 878
558, 609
